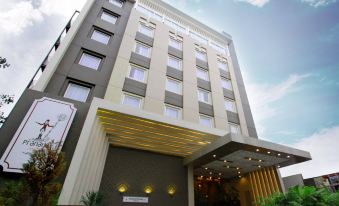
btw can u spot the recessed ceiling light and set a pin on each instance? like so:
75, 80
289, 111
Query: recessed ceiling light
249, 158
228, 166
214, 156
279, 154
259, 166
260, 160
225, 161
219, 174
210, 173
237, 168
239, 172
268, 152
257, 150
201, 176
206, 168
278, 166
239, 176
288, 156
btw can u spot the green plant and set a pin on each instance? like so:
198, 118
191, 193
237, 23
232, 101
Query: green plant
14, 193
92, 198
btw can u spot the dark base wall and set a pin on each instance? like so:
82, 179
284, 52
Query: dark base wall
137, 169
18, 113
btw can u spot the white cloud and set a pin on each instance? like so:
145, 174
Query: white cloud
323, 147
258, 3
317, 3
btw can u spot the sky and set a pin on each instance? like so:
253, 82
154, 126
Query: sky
288, 52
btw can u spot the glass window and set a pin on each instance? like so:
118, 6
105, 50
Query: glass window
234, 128
206, 121
118, 3
77, 92
175, 43
230, 105
204, 96
223, 66
100, 36
227, 84
109, 17
90, 61
143, 49
200, 55
148, 31
137, 73
174, 62
132, 100
202, 74
172, 112
173, 86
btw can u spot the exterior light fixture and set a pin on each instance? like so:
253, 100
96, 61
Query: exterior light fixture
288, 156
228, 166
210, 173
237, 168
257, 150
239, 176
225, 161
219, 174
249, 158
171, 190
279, 154
239, 172
214, 156
278, 166
259, 166
148, 189
268, 152
206, 168
122, 188
260, 160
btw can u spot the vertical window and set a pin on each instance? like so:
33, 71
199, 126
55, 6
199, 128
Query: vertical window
173, 86
230, 105
223, 66
143, 49
201, 55
202, 74
109, 17
204, 96
175, 43
234, 128
227, 84
90, 61
132, 100
148, 31
173, 112
206, 121
174, 62
77, 92
118, 3
137, 73
100, 36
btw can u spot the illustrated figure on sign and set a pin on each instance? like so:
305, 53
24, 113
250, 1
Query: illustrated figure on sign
43, 128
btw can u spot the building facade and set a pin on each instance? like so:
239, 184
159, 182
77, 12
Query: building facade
162, 111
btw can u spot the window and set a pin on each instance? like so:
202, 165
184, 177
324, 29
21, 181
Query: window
132, 100
206, 121
100, 36
226, 84
173, 86
234, 128
204, 96
202, 74
77, 92
175, 43
230, 105
109, 17
200, 55
173, 112
143, 49
174, 62
137, 73
118, 3
223, 66
148, 31
90, 61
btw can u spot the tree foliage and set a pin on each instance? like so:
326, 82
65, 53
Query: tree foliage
92, 199
302, 196
4, 98
3, 63
14, 193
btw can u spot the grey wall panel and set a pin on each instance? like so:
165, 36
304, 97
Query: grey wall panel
252, 132
206, 109
144, 39
228, 93
175, 52
173, 99
202, 64
225, 74
174, 73
233, 117
204, 84
140, 60
138, 168
134, 87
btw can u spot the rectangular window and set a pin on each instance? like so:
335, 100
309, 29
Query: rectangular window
173, 112
230, 105
137, 73
201, 55
118, 3
174, 62
143, 49
77, 92
109, 17
90, 61
206, 121
132, 100
173, 85
202, 74
223, 66
175, 43
148, 31
204, 96
234, 128
227, 84
100, 36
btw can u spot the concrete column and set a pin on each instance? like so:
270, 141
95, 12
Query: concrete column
190, 185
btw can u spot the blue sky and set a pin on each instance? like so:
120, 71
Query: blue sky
288, 53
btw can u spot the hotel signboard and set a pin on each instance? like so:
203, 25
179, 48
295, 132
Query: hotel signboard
135, 199
47, 120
